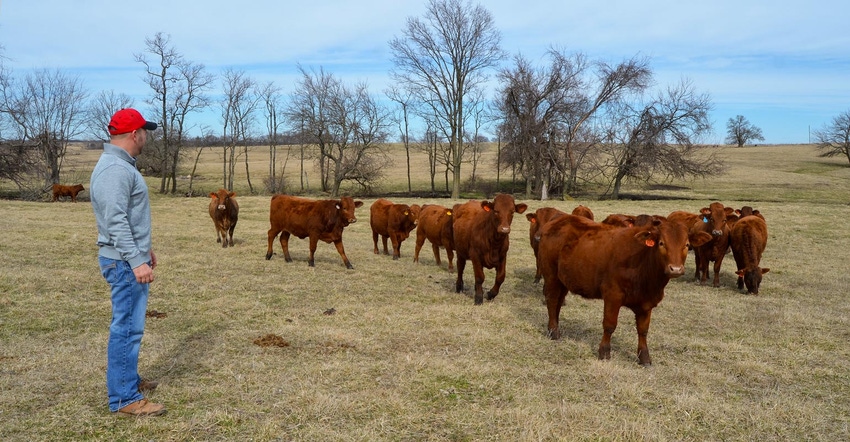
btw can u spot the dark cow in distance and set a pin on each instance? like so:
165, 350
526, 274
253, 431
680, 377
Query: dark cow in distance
536, 219
435, 225
481, 235
393, 221
317, 219
748, 239
623, 266
60, 191
224, 211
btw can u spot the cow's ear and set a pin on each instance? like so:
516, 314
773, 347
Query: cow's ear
728, 210
756, 212
213, 195
532, 217
705, 211
232, 194
358, 204
520, 208
486, 205
738, 211
645, 236
699, 238
764, 270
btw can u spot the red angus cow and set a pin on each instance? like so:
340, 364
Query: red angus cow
748, 239
59, 191
435, 225
619, 220
318, 219
481, 230
748, 211
714, 220
224, 211
584, 211
536, 220
623, 266
393, 221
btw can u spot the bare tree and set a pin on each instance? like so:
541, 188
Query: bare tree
44, 111
237, 111
100, 110
740, 131
404, 99
546, 113
270, 95
441, 58
834, 138
347, 124
660, 138
178, 90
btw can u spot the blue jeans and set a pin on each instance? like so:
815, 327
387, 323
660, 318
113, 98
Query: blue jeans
129, 304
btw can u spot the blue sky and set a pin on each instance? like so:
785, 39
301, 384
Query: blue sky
783, 65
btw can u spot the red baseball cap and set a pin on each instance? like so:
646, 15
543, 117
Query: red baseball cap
128, 120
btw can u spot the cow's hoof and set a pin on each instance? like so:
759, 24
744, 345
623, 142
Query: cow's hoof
268, 256
490, 296
349, 266
554, 334
479, 300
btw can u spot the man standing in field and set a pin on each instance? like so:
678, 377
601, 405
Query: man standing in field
119, 197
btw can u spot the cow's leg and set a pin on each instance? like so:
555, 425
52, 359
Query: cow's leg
449, 255
341, 250
500, 278
232, 228
384, 242
420, 241
314, 242
284, 244
218, 232
461, 264
375, 241
478, 272
642, 322
555, 293
272, 234
396, 241
716, 282
436, 250
609, 324
223, 232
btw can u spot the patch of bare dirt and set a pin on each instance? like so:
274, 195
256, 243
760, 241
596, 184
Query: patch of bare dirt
271, 340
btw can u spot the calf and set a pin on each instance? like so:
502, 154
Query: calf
748, 239
60, 191
481, 235
318, 219
623, 266
393, 221
435, 225
536, 220
224, 211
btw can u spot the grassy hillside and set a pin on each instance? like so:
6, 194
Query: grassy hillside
403, 357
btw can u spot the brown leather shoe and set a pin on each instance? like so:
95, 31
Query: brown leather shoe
142, 408
147, 386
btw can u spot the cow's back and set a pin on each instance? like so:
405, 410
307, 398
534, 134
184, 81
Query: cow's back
300, 216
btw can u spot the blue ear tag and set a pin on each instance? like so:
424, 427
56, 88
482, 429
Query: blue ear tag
705, 219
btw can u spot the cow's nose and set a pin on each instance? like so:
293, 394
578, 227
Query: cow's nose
221, 207
505, 229
717, 232
352, 220
675, 271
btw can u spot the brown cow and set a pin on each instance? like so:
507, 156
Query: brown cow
536, 219
393, 221
435, 225
318, 219
584, 211
619, 220
59, 191
713, 220
748, 239
224, 211
481, 235
748, 211
623, 266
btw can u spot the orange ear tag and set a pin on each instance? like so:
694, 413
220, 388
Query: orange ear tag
650, 243
449, 212
486, 208
406, 213
533, 220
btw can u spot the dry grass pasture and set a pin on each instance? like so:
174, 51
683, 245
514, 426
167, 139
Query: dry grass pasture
250, 349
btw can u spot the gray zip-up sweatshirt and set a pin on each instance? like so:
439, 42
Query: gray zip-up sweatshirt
119, 198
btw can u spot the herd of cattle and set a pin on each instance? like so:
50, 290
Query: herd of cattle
625, 260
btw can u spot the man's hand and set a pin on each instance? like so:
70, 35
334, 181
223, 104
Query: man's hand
144, 274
